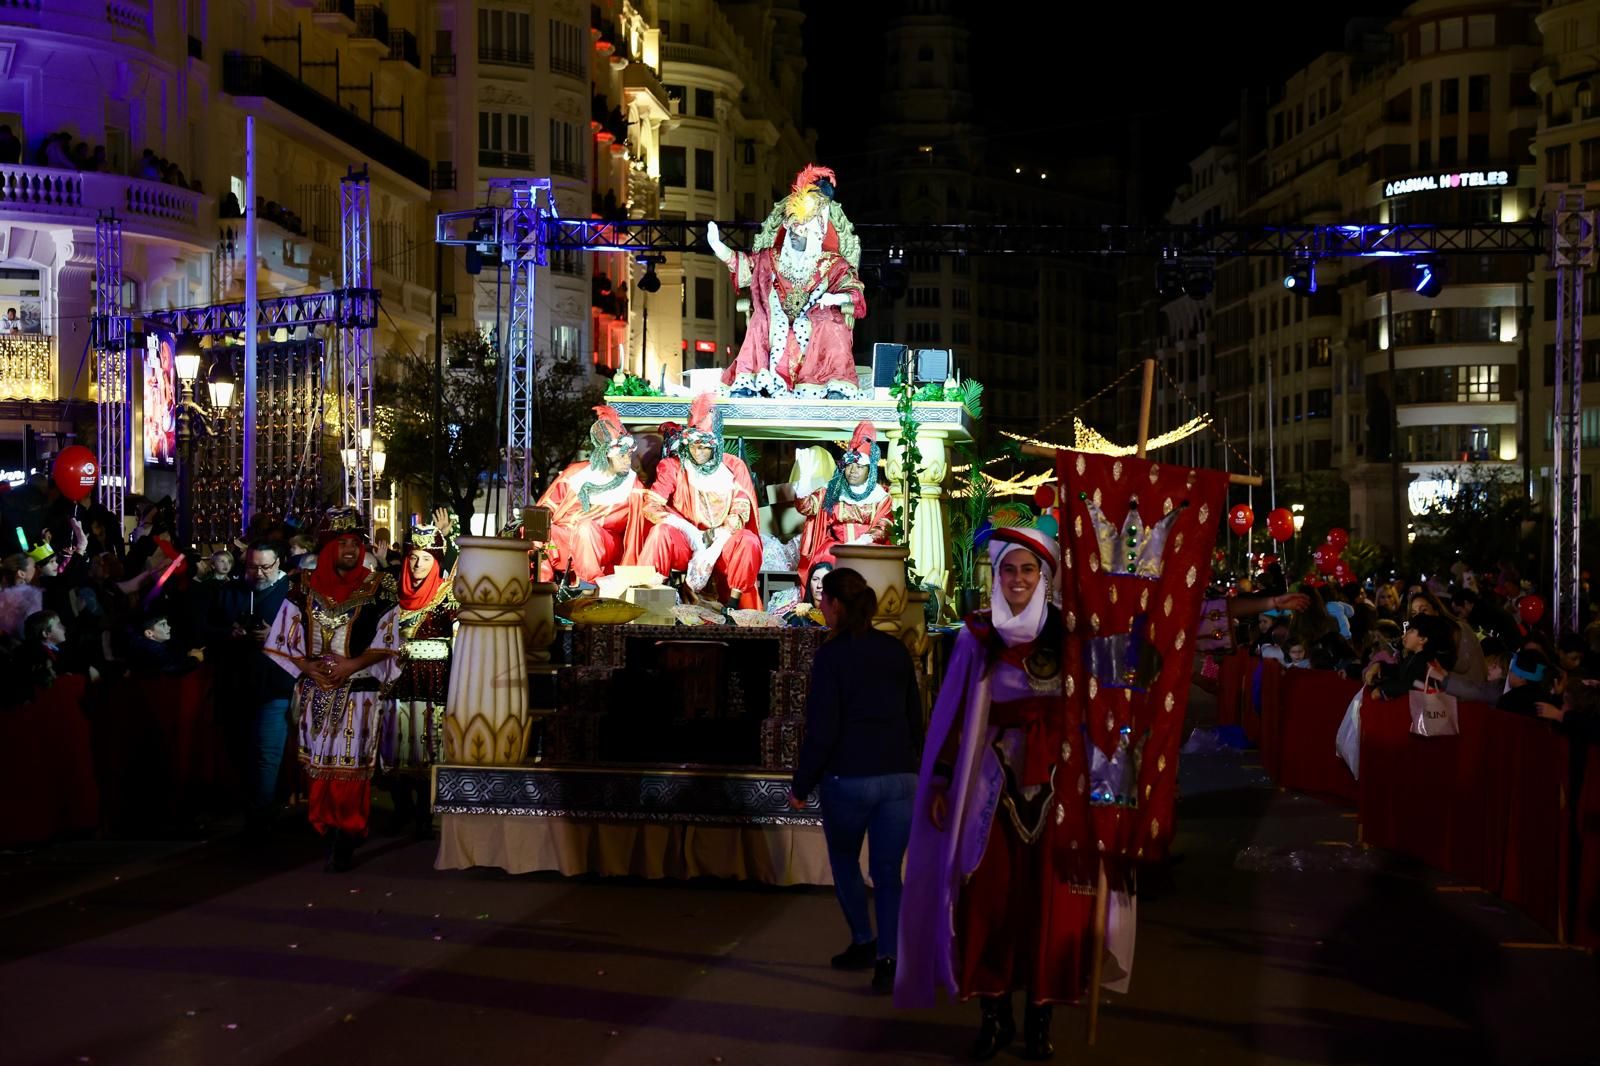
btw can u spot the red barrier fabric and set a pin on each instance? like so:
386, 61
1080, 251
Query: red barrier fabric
1300, 726
1232, 675
49, 787
158, 751
1583, 858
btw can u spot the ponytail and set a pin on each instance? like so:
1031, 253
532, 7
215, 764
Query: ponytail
856, 601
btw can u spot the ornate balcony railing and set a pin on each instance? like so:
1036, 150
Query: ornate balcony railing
52, 192
27, 367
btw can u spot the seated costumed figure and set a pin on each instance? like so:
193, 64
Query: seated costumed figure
702, 513
805, 295
851, 509
590, 503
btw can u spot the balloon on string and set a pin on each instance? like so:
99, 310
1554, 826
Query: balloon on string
1338, 539
1325, 559
1280, 524
1530, 609
1343, 573
76, 472
1241, 516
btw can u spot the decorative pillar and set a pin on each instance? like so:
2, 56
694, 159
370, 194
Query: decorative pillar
487, 718
930, 533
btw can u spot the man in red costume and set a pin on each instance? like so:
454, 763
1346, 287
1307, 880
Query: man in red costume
337, 635
805, 294
589, 503
851, 509
702, 512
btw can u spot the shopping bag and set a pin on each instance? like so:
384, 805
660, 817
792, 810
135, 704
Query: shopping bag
1347, 742
1433, 713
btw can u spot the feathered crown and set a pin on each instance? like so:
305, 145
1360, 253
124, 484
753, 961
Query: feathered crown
1132, 549
339, 522
704, 418
811, 192
861, 445
606, 433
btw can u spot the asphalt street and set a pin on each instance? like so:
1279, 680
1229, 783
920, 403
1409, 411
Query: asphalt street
1273, 938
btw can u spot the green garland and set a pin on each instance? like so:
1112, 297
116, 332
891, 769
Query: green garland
905, 515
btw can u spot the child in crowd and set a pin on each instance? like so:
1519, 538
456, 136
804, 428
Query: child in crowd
1428, 643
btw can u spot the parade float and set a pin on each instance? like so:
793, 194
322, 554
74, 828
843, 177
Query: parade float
654, 729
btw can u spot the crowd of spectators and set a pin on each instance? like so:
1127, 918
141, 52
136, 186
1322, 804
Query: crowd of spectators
62, 151
1467, 633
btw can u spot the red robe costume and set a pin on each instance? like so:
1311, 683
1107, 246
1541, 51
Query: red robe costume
683, 503
794, 345
846, 522
590, 542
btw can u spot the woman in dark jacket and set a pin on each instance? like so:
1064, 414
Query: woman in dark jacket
863, 716
1428, 640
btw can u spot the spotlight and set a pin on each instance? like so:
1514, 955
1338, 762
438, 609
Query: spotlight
1425, 279
1199, 278
651, 281
1301, 279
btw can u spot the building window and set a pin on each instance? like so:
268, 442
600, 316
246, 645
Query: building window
1486, 207
675, 95
1480, 31
566, 150
1478, 93
1558, 164
1321, 351
1425, 100
705, 169
674, 166
564, 342
504, 37
1319, 403
1477, 384
567, 51
922, 297
1478, 150
1589, 159
1449, 96
1452, 34
705, 103
960, 299
705, 299
961, 333
1428, 38
1447, 151
503, 140
1424, 160
749, 153
923, 332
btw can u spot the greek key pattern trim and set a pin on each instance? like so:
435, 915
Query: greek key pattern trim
706, 798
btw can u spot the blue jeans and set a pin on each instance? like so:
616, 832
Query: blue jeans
878, 809
268, 737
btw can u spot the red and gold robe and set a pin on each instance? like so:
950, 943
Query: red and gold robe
683, 503
847, 522
591, 542
799, 346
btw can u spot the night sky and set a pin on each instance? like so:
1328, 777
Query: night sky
1065, 80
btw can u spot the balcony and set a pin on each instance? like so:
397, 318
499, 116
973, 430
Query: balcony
247, 75
566, 168
443, 66
444, 176
27, 367
506, 57
403, 48
336, 15
372, 30
488, 157
693, 53
572, 68
50, 195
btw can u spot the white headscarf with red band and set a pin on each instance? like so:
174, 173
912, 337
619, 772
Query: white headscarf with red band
1014, 627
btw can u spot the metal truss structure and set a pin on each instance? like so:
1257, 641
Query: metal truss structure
518, 230
355, 344
1219, 242
110, 331
1572, 253
344, 309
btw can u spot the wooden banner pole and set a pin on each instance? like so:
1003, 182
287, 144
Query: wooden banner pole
1097, 969
1147, 388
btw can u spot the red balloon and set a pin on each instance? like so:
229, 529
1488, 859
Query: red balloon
1268, 560
1338, 539
1240, 518
1280, 524
76, 471
1531, 609
1044, 497
1325, 559
1343, 573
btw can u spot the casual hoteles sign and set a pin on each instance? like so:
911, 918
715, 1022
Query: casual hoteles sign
1463, 179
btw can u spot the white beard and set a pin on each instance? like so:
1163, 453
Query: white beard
797, 265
